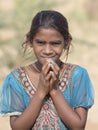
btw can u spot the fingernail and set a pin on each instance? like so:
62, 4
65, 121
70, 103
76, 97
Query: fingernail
52, 73
52, 65
50, 60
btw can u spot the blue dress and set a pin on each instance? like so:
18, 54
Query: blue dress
17, 90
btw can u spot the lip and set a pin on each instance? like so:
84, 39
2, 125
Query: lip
48, 58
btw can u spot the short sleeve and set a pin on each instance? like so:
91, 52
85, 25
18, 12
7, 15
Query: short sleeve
11, 97
83, 92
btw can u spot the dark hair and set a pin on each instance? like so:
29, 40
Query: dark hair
49, 19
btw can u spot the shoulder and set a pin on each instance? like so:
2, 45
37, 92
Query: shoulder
17, 71
79, 73
12, 81
13, 76
79, 70
75, 70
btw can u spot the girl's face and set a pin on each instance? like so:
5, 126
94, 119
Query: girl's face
48, 44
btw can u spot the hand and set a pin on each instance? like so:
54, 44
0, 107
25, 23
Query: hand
44, 80
54, 76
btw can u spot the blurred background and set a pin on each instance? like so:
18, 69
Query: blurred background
15, 21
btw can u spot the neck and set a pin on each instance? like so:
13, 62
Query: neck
38, 66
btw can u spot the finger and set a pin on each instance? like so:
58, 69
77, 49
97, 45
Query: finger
55, 68
53, 76
53, 81
48, 76
45, 68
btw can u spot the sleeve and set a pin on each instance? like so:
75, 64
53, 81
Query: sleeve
83, 92
11, 97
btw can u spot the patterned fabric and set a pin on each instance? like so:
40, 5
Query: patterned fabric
18, 89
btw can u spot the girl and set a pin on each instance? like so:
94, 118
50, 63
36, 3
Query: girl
48, 94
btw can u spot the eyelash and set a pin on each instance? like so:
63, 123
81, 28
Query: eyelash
55, 43
52, 43
40, 42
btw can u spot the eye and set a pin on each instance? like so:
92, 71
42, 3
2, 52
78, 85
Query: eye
56, 43
40, 42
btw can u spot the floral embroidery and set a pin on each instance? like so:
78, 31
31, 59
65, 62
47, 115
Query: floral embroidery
46, 106
65, 77
26, 82
48, 118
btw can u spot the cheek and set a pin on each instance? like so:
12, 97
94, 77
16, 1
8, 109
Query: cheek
36, 52
35, 49
60, 50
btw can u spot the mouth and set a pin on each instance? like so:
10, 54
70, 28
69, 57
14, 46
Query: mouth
50, 59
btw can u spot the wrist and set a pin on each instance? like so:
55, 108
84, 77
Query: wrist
40, 94
54, 92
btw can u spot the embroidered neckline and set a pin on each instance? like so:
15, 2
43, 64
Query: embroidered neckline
30, 88
48, 117
65, 77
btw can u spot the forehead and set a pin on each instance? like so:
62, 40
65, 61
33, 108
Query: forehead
50, 33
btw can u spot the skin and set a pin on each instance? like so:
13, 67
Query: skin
48, 44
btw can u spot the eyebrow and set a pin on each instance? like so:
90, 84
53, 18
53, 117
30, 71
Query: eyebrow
37, 40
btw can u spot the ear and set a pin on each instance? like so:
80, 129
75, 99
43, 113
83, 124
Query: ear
67, 43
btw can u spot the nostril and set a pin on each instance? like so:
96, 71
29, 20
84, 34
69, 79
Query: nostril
48, 50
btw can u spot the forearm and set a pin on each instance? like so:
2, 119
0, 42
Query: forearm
66, 113
28, 117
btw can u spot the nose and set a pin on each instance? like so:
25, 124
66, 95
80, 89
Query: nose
48, 49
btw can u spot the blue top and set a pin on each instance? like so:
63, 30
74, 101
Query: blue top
17, 91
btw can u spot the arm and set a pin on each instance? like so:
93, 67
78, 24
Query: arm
82, 95
29, 116
74, 119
